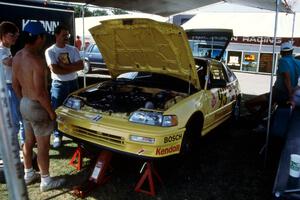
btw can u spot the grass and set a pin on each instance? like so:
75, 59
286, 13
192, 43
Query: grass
226, 165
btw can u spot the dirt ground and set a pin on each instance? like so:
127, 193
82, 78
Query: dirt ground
226, 165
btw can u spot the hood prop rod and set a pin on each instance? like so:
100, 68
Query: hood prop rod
190, 79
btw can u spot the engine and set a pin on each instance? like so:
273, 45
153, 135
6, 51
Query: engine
128, 98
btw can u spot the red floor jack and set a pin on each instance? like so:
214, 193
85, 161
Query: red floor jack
98, 177
147, 176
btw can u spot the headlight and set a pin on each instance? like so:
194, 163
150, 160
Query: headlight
73, 103
153, 118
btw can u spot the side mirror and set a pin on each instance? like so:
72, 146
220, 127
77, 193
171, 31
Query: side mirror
217, 83
86, 67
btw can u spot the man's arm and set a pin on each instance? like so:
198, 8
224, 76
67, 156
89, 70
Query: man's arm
287, 83
58, 67
61, 68
15, 82
42, 94
7, 61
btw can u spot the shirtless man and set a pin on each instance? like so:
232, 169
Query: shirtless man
29, 83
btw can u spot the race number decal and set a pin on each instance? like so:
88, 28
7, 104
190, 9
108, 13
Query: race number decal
222, 97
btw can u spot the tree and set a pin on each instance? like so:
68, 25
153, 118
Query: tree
78, 13
99, 12
118, 11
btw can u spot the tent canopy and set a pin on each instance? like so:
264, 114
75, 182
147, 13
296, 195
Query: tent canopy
168, 7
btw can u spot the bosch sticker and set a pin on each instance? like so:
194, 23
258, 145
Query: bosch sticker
172, 138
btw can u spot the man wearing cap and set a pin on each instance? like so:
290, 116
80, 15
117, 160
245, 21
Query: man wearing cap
64, 61
287, 75
29, 83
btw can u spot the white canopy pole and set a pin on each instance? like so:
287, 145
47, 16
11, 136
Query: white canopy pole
271, 84
9, 146
83, 42
293, 28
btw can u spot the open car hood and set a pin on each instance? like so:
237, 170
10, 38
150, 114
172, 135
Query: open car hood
145, 45
209, 43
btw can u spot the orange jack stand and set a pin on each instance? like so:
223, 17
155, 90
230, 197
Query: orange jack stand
148, 175
98, 177
77, 156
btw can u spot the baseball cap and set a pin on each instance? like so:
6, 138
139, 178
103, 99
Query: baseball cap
34, 28
286, 46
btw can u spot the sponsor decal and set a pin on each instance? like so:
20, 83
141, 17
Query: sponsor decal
172, 138
167, 150
213, 100
94, 118
222, 96
140, 152
97, 118
255, 40
48, 24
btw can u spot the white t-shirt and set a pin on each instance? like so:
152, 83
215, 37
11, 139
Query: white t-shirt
68, 54
5, 53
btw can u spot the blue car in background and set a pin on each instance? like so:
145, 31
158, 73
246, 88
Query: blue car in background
93, 58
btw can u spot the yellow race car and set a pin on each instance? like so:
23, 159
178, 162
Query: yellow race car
160, 97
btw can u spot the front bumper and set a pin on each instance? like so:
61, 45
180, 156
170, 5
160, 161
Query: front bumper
114, 134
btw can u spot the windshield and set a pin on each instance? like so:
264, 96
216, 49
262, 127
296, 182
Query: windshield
208, 46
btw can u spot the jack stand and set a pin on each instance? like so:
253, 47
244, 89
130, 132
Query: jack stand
148, 174
98, 177
78, 154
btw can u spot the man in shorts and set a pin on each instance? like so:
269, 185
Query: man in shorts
29, 83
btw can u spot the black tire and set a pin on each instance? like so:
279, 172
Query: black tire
2, 176
192, 135
236, 109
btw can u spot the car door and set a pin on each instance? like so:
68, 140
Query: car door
217, 92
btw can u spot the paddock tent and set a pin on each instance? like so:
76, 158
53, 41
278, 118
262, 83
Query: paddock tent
90, 22
168, 7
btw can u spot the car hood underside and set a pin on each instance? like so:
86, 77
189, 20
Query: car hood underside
145, 45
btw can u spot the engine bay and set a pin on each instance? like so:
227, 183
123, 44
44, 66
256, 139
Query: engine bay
123, 98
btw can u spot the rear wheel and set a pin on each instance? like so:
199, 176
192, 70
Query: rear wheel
236, 109
2, 177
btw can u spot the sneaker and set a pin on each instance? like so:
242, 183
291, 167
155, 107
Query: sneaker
56, 142
53, 184
32, 179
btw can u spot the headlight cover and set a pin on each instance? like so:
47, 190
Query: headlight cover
153, 118
74, 103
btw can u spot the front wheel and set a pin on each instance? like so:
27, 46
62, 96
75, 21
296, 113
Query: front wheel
186, 144
192, 135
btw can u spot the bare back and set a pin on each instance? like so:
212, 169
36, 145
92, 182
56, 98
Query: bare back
29, 71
